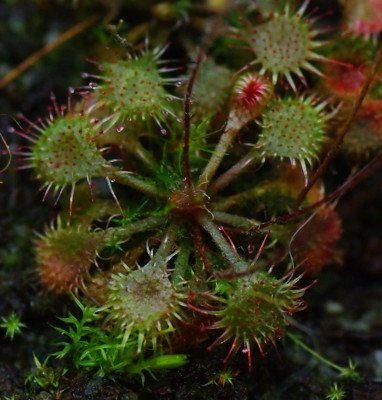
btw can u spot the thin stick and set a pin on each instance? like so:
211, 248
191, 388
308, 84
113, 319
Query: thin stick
237, 199
241, 166
342, 133
359, 177
201, 248
187, 120
167, 244
187, 103
48, 48
238, 264
143, 225
8, 163
138, 183
235, 220
314, 353
142, 154
217, 156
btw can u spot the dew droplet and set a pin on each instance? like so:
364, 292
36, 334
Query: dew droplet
179, 83
251, 248
120, 128
163, 131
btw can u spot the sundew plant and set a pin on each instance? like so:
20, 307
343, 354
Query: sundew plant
192, 193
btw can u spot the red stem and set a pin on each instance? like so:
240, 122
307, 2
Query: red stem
360, 176
187, 105
187, 121
201, 248
342, 133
